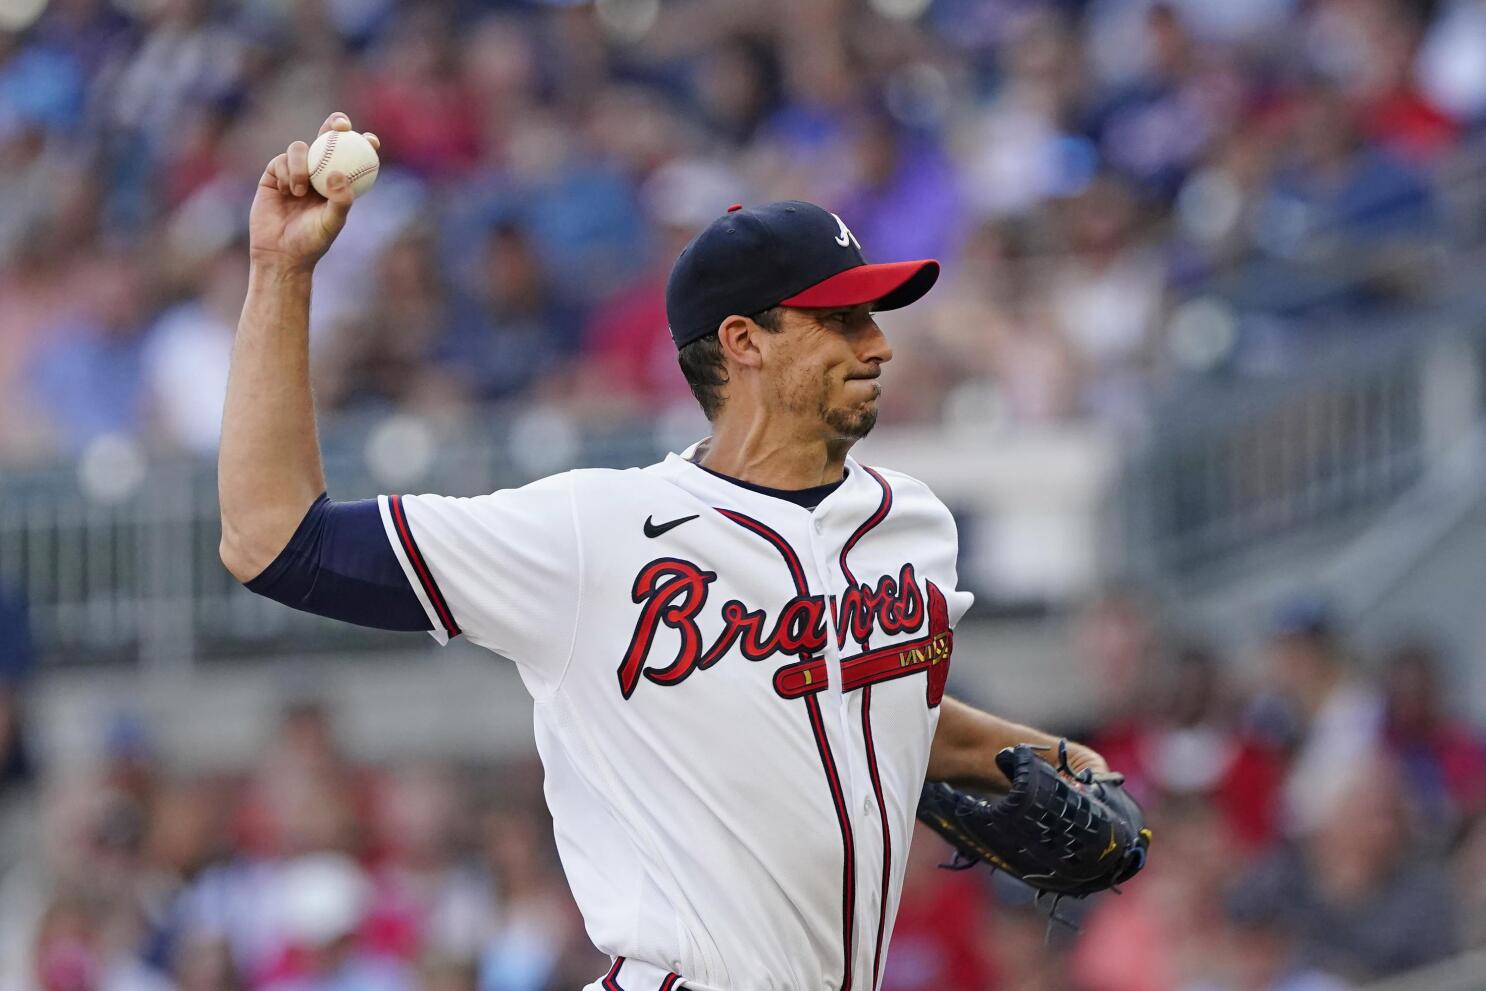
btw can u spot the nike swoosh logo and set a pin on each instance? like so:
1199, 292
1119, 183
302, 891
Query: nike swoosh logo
653, 529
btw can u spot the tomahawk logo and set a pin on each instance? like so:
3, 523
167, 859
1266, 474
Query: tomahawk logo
846, 236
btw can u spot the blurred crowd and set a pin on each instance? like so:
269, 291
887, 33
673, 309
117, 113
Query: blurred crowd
1320, 822
1124, 192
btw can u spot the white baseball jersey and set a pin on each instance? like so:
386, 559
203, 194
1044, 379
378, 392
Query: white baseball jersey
734, 702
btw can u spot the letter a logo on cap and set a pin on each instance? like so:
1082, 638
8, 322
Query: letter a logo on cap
846, 236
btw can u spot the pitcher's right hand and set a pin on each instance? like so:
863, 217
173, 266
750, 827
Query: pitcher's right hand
291, 226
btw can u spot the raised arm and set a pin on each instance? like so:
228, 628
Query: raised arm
268, 466
967, 741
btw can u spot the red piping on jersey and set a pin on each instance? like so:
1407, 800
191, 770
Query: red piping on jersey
883, 508
846, 616
822, 746
791, 559
843, 817
887, 835
611, 979
425, 576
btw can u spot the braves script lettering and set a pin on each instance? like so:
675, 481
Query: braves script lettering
672, 592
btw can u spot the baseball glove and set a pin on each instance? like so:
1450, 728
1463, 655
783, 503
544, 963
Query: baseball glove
1065, 834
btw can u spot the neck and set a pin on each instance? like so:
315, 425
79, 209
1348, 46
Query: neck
774, 455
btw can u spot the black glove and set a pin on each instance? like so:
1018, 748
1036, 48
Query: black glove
1063, 833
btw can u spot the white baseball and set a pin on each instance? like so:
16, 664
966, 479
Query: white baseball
343, 151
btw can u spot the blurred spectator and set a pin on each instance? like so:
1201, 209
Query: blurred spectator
1362, 895
1108, 295
510, 330
1155, 127
629, 358
324, 900
415, 99
905, 201
1261, 951
1118, 640
86, 378
992, 329
382, 355
1468, 872
1334, 192
1394, 111
1450, 62
187, 354
1320, 710
183, 56
1163, 933
202, 963
305, 796
537, 940
1443, 759
303, 799
1018, 937
1192, 744
427, 904
1017, 149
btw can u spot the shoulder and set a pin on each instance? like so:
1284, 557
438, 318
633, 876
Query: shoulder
575, 480
915, 506
908, 491
552, 493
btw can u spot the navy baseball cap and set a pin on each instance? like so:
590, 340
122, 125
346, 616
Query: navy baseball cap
781, 254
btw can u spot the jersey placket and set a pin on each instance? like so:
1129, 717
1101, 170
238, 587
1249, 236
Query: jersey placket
852, 753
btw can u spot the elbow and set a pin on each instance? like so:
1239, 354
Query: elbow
240, 556
253, 539
236, 561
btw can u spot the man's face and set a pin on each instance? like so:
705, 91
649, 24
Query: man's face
823, 364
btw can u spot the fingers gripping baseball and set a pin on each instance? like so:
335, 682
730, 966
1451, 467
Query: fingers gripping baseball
299, 173
291, 224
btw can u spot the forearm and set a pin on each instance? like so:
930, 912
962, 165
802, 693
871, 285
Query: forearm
967, 741
268, 466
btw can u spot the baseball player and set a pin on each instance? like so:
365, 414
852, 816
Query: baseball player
737, 656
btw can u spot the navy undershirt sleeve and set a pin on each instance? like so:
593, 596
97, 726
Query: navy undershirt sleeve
340, 564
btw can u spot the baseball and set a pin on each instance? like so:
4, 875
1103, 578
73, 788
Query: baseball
343, 151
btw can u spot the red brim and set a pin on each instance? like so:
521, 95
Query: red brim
886, 286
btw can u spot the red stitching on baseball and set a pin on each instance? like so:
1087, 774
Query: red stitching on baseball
325, 155
364, 170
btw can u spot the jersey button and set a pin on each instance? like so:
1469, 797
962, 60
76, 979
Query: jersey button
819, 525
866, 806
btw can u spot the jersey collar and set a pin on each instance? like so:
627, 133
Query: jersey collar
680, 469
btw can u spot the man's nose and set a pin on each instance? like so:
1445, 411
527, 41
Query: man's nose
875, 346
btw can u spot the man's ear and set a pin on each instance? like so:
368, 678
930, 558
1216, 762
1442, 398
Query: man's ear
738, 336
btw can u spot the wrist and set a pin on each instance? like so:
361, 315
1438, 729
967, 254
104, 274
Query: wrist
273, 268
